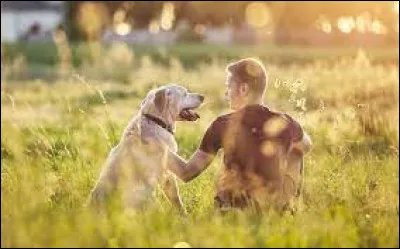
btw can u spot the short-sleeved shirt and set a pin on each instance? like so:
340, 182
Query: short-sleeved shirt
254, 140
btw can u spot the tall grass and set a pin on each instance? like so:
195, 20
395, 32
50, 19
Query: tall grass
56, 137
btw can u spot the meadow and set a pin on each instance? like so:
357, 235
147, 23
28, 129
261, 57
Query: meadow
56, 134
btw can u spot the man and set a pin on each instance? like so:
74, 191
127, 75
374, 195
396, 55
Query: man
263, 149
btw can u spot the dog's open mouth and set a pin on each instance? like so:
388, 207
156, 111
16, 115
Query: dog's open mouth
189, 114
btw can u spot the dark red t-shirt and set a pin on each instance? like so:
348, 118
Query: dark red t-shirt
255, 140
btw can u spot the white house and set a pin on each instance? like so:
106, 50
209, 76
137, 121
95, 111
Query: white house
17, 17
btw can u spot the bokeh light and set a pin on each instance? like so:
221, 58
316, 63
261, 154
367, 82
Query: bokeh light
200, 29
363, 22
91, 18
181, 244
269, 148
258, 15
154, 27
396, 7
274, 126
123, 28
119, 16
346, 24
167, 16
324, 24
378, 27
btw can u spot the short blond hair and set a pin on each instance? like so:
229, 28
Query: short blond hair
252, 72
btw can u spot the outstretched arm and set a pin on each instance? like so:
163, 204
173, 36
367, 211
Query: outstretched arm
187, 171
304, 145
201, 158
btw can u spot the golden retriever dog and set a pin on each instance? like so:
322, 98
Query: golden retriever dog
136, 166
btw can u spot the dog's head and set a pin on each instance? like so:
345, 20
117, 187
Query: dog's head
170, 101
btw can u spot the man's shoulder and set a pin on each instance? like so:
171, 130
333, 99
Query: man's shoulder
283, 115
289, 117
223, 118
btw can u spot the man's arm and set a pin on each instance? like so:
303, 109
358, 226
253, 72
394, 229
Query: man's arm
187, 171
301, 141
303, 145
202, 157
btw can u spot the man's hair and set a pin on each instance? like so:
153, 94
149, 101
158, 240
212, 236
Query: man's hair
250, 71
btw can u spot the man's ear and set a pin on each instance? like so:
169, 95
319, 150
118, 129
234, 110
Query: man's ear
244, 89
160, 100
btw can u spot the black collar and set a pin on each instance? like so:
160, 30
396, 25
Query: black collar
160, 123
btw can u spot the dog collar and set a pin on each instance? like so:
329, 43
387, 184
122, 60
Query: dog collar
160, 123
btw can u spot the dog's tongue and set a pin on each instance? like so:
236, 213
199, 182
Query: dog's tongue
189, 115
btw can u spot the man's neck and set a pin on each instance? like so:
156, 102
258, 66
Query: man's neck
253, 102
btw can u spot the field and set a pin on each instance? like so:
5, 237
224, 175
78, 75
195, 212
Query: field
57, 132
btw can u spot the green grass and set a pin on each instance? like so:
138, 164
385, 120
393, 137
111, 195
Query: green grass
45, 54
56, 137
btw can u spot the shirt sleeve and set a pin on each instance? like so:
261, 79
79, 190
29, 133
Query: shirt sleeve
211, 141
295, 129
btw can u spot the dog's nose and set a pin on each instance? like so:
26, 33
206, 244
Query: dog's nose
201, 97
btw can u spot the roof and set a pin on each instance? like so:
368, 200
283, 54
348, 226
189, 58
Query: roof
31, 5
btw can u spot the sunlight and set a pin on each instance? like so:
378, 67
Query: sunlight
346, 24
200, 29
257, 15
154, 27
363, 22
269, 148
123, 28
91, 16
119, 16
377, 27
327, 27
167, 16
274, 126
323, 24
181, 244
396, 7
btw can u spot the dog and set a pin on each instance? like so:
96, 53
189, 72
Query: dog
136, 166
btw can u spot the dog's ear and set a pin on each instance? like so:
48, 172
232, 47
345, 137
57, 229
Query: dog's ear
160, 100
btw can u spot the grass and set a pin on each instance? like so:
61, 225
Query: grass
56, 137
42, 55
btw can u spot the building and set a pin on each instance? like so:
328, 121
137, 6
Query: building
30, 19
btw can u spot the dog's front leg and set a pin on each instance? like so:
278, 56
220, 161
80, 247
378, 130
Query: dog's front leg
171, 189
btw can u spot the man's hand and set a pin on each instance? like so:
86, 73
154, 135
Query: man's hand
187, 171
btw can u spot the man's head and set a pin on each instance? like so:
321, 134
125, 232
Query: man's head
246, 83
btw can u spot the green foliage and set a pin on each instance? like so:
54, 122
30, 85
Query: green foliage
56, 137
191, 55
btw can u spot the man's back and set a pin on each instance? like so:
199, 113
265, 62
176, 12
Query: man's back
256, 142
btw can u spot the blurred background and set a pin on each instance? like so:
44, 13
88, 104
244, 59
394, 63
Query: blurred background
36, 35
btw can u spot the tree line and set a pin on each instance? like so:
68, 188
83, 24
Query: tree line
289, 15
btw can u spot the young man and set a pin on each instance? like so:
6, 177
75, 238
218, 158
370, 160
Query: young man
263, 149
